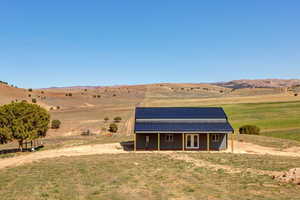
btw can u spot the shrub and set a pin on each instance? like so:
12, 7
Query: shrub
295, 94
113, 128
42, 92
57, 107
117, 119
106, 119
34, 101
249, 129
55, 124
29, 95
86, 132
30, 89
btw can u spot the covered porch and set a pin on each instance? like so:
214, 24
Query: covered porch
181, 141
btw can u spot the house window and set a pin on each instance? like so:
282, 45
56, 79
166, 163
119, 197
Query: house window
215, 137
169, 137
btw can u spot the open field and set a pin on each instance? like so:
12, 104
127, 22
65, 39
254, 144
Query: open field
135, 176
49, 174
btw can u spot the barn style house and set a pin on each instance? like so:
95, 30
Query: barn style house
181, 128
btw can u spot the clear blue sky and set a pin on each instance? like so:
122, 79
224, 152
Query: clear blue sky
68, 42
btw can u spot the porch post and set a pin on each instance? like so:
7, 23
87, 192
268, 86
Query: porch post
207, 138
158, 141
232, 135
134, 141
183, 143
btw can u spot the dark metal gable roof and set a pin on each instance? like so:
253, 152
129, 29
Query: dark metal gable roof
180, 113
183, 127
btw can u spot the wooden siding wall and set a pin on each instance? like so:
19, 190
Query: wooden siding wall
141, 141
175, 145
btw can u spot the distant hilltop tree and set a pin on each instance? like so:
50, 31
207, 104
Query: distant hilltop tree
118, 119
55, 124
3, 82
113, 128
30, 90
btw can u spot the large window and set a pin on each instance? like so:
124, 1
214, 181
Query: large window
169, 137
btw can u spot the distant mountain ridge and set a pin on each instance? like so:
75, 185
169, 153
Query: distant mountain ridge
259, 83
234, 84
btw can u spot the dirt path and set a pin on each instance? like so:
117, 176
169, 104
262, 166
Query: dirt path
113, 148
216, 167
249, 148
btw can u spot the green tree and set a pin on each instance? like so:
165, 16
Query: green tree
55, 124
113, 128
5, 131
34, 101
25, 121
106, 119
118, 119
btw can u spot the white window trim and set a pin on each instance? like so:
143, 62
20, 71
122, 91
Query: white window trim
169, 135
192, 135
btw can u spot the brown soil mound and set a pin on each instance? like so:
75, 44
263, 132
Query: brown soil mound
291, 176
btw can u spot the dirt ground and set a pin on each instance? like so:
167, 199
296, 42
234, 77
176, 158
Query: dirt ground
116, 148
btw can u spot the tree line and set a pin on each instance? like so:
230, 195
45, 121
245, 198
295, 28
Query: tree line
22, 121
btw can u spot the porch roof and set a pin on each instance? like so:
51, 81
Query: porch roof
183, 127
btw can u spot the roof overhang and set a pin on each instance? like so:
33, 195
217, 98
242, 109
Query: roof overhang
221, 120
180, 132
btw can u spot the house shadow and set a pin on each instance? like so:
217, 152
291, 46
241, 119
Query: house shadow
16, 150
127, 145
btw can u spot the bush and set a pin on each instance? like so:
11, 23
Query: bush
249, 129
30, 89
117, 119
86, 133
55, 124
106, 119
295, 94
34, 101
57, 107
113, 128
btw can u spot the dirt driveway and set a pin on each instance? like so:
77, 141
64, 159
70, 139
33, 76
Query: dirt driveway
116, 148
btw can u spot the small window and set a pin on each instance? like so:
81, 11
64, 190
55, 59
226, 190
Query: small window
169, 137
215, 137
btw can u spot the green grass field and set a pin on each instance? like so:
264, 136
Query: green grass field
134, 176
267, 116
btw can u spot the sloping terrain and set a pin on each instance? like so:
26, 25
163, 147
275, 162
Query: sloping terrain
260, 83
